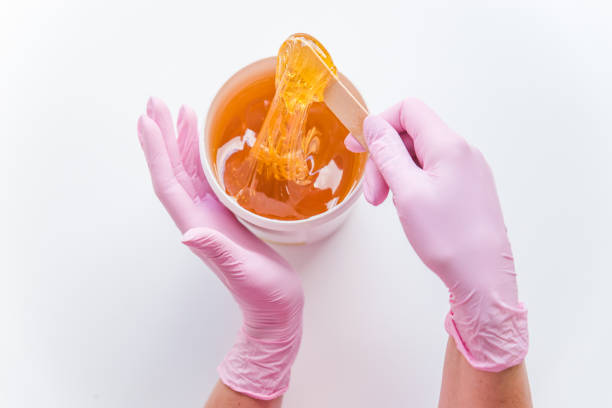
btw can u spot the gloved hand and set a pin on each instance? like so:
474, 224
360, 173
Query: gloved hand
268, 291
445, 197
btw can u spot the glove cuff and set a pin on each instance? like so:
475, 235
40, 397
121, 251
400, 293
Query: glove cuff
259, 369
491, 339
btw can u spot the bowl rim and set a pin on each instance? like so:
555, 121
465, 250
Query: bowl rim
229, 201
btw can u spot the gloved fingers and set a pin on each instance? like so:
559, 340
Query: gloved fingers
189, 149
409, 143
389, 153
375, 188
353, 145
167, 188
160, 114
430, 135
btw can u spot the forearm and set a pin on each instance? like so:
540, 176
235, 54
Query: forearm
465, 386
223, 396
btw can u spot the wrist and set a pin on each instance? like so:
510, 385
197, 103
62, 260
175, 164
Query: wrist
486, 319
260, 368
490, 330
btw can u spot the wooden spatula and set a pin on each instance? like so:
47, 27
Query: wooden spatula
343, 104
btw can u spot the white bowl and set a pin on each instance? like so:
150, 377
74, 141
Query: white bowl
271, 230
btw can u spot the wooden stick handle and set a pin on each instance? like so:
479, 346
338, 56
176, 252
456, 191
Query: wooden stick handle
346, 108
342, 103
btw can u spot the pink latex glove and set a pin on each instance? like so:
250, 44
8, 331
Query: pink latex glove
268, 291
445, 197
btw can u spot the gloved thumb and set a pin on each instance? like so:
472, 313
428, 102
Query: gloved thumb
389, 153
214, 247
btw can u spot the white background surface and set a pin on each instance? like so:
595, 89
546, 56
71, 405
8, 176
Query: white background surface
100, 304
